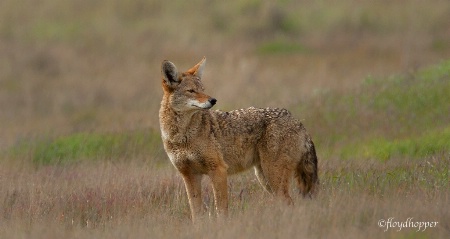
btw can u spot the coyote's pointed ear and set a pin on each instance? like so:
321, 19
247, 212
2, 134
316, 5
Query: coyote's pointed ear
169, 72
197, 70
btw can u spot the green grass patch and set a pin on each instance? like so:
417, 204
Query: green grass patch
418, 97
280, 47
378, 180
385, 117
85, 146
431, 143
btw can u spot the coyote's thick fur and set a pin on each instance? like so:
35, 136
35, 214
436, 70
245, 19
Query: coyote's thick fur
200, 141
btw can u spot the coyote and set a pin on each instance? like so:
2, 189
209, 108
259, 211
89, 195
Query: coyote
200, 141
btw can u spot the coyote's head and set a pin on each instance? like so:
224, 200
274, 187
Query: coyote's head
185, 91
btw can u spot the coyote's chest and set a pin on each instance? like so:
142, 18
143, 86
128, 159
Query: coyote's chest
186, 145
186, 156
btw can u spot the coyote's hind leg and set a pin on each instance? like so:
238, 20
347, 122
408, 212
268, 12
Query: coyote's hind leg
262, 179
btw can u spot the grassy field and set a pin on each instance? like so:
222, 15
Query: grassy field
80, 149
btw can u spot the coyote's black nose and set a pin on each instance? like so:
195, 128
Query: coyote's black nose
212, 101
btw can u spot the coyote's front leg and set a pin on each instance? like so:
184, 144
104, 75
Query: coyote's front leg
220, 187
193, 183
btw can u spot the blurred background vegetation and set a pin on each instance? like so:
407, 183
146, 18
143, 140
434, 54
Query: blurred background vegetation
80, 148
351, 70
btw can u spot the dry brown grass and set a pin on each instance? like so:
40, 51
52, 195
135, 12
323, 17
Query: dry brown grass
136, 200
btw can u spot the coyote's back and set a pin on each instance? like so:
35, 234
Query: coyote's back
201, 141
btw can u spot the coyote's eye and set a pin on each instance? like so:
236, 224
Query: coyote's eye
191, 91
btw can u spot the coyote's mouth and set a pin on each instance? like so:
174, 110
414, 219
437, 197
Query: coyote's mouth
203, 108
201, 105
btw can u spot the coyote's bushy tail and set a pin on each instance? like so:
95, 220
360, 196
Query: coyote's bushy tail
307, 172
